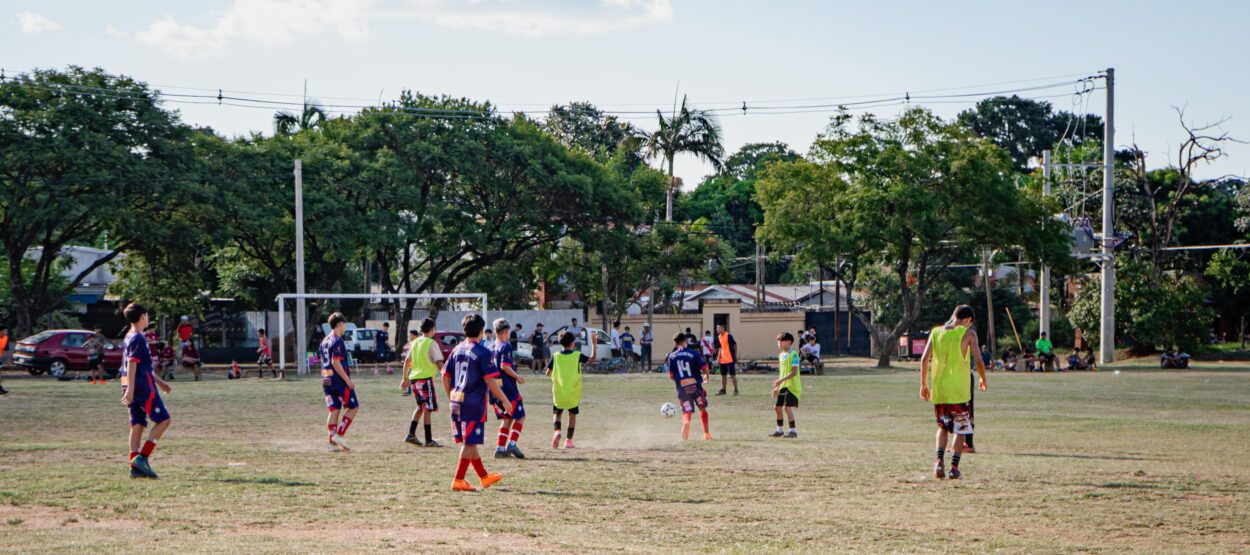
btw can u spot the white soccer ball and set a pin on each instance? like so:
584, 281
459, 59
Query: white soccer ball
1117, 372
668, 410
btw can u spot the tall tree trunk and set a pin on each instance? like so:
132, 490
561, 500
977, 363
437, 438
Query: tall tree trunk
668, 201
603, 312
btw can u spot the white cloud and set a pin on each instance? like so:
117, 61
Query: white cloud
32, 23
281, 22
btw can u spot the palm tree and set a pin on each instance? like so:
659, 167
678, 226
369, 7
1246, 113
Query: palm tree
287, 123
685, 131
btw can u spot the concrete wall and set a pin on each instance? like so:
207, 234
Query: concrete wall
450, 320
755, 332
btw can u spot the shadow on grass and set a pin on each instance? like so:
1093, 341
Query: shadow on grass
264, 481
1092, 457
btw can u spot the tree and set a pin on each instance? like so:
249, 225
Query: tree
685, 131
82, 153
1025, 127
727, 201
584, 126
1229, 276
910, 196
310, 117
1170, 313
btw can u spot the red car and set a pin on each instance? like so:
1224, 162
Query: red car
447, 340
59, 352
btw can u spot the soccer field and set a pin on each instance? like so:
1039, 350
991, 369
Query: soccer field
1143, 461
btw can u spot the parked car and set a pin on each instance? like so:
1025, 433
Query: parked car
447, 340
59, 352
602, 345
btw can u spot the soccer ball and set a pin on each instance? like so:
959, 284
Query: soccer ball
668, 410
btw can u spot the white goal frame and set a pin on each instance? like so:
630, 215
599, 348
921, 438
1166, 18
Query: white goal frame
282, 298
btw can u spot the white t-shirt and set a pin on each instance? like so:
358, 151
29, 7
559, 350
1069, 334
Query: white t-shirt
812, 349
616, 338
706, 342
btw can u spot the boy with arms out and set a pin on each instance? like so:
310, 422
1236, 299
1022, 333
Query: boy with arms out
419, 370
140, 393
688, 369
468, 377
336, 383
788, 387
565, 370
511, 414
947, 352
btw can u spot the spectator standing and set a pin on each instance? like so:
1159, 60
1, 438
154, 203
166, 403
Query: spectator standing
616, 339
727, 356
95, 360
627, 346
707, 346
691, 338
382, 343
645, 342
515, 337
539, 352
577, 332
4, 350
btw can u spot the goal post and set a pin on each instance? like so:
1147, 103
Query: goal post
300, 361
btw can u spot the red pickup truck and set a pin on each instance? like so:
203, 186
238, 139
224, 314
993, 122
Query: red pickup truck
59, 352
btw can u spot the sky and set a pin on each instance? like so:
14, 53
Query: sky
637, 55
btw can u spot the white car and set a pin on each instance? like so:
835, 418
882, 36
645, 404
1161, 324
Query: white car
360, 342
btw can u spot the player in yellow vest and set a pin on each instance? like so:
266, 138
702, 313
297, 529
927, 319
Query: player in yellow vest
947, 354
787, 388
420, 368
565, 370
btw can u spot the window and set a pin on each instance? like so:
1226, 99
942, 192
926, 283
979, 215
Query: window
452, 340
602, 338
364, 335
74, 340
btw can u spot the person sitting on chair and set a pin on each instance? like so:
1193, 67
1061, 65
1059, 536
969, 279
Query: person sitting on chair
1045, 352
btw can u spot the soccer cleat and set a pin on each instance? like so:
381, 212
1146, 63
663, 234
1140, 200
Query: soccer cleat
432, 443
777, 433
555, 441
707, 436
568, 444
3, 391
968, 449
721, 392
939, 470
91, 381
103, 381
338, 440
792, 434
412, 439
461, 485
140, 463
735, 393
502, 453
955, 474
491, 479
136, 473
515, 451
331, 447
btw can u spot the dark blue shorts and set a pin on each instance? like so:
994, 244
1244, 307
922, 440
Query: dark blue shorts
150, 407
691, 399
337, 397
468, 433
501, 412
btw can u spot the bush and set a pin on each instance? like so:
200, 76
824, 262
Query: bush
1170, 314
1062, 334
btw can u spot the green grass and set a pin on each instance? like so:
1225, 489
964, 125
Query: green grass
1145, 461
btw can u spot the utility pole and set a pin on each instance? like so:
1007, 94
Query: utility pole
759, 275
837, 306
1106, 347
1044, 297
301, 313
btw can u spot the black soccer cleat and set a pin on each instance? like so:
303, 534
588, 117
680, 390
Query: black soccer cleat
939, 470
432, 443
136, 473
954, 474
777, 433
412, 439
502, 453
516, 451
792, 434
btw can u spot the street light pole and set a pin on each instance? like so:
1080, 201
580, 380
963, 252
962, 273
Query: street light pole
301, 313
1106, 347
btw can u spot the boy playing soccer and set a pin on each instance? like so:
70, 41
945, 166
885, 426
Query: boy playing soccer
468, 377
419, 370
565, 370
336, 383
511, 414
688, 369
139, 393
265, 358
787, 388
947, 351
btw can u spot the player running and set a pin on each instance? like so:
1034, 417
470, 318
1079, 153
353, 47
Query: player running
565, 370
139, 393
947, 351
468, 377
419, 370
336, 383
511, 414
688, 369
265, 358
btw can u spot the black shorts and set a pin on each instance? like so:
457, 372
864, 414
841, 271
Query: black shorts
786, 399
728, 369
558, 410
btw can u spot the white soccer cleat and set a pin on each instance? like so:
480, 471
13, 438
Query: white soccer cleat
338, 440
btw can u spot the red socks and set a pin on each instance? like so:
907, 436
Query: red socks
516, 431
332, 429
133, 454
344, 425
503, 436
462, 468
703, 417
478, 468
148, 447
